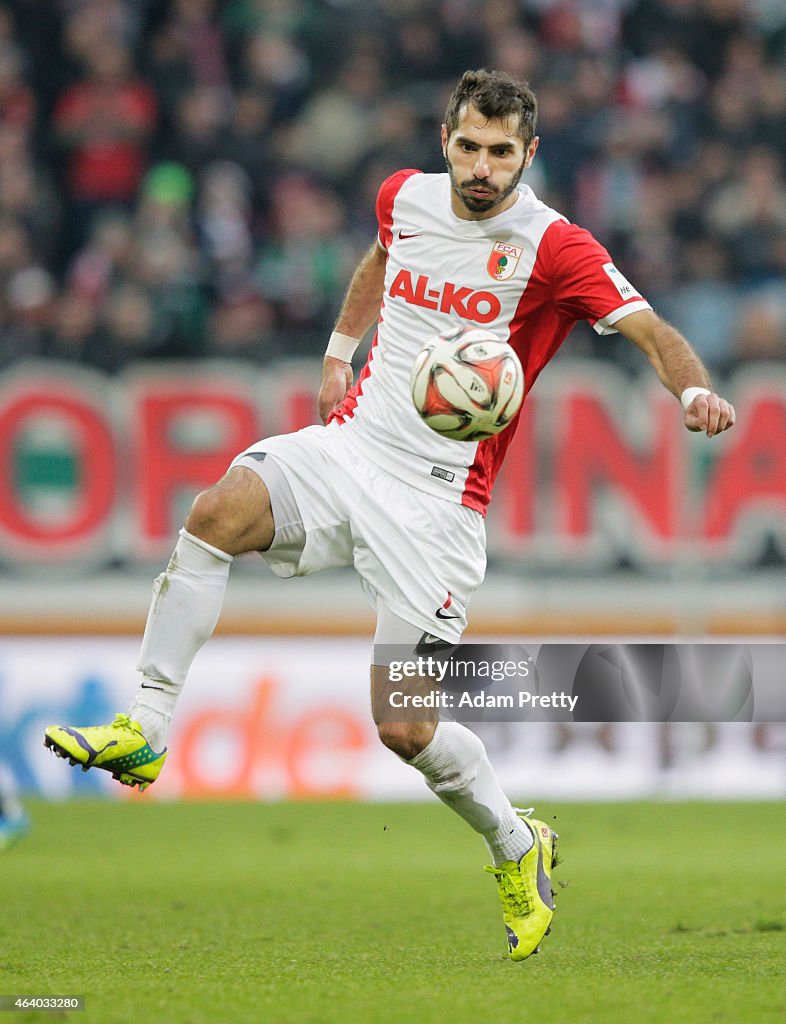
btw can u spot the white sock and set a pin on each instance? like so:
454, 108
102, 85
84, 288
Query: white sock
458, 771
510, 841
186, 604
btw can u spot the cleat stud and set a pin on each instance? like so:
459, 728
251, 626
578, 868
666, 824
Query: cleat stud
84, 767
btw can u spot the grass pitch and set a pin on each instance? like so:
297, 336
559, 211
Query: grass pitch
314, 914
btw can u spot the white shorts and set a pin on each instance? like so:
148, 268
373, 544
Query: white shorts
421, 556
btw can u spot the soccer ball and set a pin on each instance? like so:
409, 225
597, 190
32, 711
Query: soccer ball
467, 384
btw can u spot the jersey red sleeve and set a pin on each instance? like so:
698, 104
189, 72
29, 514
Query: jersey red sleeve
386, 196
586, 284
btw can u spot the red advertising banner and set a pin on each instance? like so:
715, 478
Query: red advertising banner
97, 469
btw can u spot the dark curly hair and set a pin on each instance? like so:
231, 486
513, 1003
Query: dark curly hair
496, 94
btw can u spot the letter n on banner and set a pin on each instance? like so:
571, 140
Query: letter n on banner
746, 491
596, 461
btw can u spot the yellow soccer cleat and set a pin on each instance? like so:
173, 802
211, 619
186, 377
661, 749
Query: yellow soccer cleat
525, 891
119, 748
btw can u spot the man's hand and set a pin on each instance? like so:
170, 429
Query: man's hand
709, 413
359, 310
336, 381
679, 368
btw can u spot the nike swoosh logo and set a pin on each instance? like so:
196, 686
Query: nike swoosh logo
440, 613
415, 234
429, 642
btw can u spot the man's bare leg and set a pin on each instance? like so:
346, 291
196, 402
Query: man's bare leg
454, 763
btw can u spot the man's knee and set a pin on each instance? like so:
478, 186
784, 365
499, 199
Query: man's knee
206, 511
234, 515
406, 739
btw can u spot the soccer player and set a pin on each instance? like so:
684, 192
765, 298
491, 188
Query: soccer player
376, 488
14, 823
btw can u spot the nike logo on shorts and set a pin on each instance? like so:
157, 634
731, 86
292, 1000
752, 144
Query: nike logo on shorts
442, 613
414, 234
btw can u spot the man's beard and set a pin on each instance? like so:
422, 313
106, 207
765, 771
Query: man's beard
496, 197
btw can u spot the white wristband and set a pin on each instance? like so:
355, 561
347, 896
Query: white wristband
341, 346
689, 394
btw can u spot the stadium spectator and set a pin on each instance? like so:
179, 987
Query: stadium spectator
74, 333
129, 326
561, 153
274, 66
243, 325
225, 227
200, 40
105, 258
17, 102
761, 326
771, 110
104, 122
704, 304
749, 213
167, 266
198, 121
24, 294
168, 66
306, 257
27, 195
30, 295
335, 130
419, 54
247, 142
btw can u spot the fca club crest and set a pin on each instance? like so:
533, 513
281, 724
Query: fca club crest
503, 260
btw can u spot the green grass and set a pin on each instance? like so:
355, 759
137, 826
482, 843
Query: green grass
203, 913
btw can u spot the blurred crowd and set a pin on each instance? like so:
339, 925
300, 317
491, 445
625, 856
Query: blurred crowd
196, 178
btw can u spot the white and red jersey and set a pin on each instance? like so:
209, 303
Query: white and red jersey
527, 275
